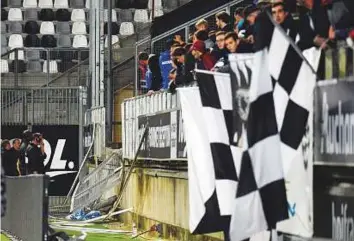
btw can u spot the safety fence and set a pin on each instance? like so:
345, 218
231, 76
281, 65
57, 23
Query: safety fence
26, 215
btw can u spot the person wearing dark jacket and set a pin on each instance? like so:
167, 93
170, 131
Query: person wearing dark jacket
153, 75
166, 63
26, 138
36, 155
12, 159
223, 21
183, 74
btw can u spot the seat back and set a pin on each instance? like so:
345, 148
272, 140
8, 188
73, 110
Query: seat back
15, 14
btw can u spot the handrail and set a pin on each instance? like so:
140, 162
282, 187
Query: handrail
186, 24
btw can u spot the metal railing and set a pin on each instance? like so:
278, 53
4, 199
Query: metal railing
339, 62
46, 106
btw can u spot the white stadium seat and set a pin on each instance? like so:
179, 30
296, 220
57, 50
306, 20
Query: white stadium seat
15, 14
141, 16
61, 4
126, 28
79, 28
78, 15
29, 3
47, 28
158, 4
20, 55
80, 41
87, 4
4, 66
158, 13
45, 3
53, 67
16, 41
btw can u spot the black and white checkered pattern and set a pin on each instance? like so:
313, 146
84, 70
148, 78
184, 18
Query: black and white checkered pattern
280, 98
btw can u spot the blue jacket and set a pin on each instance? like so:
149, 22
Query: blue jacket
165, 66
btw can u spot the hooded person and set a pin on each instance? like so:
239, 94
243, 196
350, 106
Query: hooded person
204, 60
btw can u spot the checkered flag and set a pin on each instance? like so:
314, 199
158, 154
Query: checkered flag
280, 97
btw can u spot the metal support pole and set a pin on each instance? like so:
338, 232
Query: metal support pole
109, 83
137, 77
153, 10
16, 67
93, 53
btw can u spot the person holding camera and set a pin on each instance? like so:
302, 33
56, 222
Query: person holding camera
36, 155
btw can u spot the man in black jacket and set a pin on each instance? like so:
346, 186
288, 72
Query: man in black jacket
36, 155
12, 159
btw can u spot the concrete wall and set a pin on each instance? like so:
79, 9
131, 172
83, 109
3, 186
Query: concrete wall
158, 196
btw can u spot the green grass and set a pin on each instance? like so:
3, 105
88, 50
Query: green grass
100, 236
4, 238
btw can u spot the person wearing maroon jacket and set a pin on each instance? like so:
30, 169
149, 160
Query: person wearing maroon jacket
204, 60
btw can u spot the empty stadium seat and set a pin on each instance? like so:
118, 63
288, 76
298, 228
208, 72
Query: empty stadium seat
61, 4
46, 15
77, 4
115, 28
158, 13
32, 54
114, 15
48, 41
141, 16
158, 4
4, 15
115, 39
63, 15
31, 14
32, 40
105, 3
4, 66
140, 4
15, 41
63, 28
87, 4
125, 15
79, 28
29, 3
15, 3
171, 4
15, 14
126, 28
31, 27
3, 27
20, 55
3, 40
15, 27
47, 28
124, 4
45, 3
53, 67
64, 41
3, 51
78, 15
20, 64
34, 67
80, 41
65, 65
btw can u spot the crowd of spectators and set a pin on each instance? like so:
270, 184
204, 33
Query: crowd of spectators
320, 23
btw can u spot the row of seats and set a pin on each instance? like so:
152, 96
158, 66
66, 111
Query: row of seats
49, 41
76, 15
123, 4
34, 66
32, 27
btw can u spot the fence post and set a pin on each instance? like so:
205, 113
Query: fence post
32, 95
79, 69
16, 68
48, 62
137, 77
80, 94
24, 108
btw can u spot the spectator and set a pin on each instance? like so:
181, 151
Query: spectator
219, 52
239, 19
202, 35
284, 19
143, 63
183, 69
212, 36
202, 24
172, 85
36, 155
204, 60
231, 42
26, 138
12, 160
5, 146
153, 75
223, 21
5, 153
3, 193
165, 64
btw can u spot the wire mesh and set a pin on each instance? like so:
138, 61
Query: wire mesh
339, 62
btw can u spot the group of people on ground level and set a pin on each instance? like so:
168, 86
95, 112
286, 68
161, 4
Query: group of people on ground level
308, 23
30, 147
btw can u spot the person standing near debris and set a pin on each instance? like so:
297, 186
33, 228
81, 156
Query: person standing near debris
36, 155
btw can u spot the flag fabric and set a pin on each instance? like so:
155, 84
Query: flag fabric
212, 152
280, 98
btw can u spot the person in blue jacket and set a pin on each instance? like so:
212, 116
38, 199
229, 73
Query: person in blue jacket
165, 63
